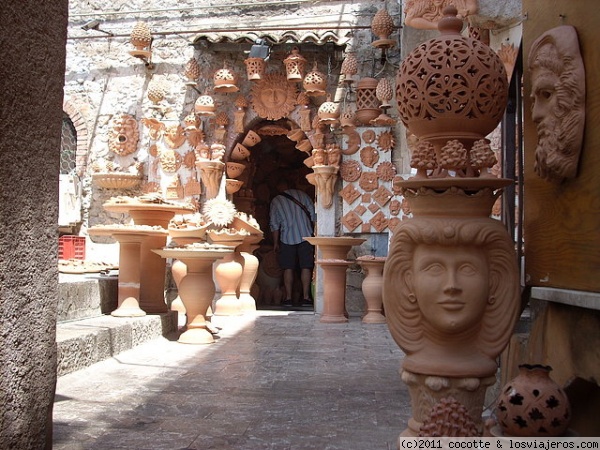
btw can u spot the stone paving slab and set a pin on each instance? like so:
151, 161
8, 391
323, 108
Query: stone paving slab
277, 380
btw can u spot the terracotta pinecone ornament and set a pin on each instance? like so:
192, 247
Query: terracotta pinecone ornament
141, 37
449, 418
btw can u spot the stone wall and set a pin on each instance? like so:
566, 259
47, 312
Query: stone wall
103, 79
31, 81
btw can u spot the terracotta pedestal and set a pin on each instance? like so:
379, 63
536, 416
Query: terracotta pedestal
196, 289
131, 241
228, 274
372, 288
152, 266
334, 247
428, 390
334, 281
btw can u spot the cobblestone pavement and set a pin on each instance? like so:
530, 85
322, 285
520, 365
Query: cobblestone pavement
276, 380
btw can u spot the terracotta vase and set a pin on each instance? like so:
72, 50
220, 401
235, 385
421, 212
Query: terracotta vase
532, 404
372, 287
228, 274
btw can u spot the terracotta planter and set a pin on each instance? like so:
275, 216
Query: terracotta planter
372, 288
251, 139
240, 153
234, 169
232, 185
116, 180
532, 404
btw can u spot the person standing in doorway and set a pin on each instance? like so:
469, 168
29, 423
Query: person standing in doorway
291, 219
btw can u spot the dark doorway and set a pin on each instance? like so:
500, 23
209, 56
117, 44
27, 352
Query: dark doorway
273, 158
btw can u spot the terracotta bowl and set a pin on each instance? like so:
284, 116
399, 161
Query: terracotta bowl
304, 146
251, 139
234, 170
296, 135
232, 185
240, 153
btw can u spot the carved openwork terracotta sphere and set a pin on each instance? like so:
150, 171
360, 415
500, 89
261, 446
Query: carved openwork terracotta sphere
452, 86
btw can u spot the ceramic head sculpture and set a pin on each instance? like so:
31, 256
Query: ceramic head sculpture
452, 296
450, 282
557, 102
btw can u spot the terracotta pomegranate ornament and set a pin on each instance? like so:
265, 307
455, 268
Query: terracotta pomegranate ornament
532, 404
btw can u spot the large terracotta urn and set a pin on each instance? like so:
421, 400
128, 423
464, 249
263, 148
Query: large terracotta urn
451, 282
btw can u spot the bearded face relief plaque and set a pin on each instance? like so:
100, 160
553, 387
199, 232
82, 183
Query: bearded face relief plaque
557, 102
273, 97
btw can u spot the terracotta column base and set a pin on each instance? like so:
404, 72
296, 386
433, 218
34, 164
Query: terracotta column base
427, 390
334, 295
128, 307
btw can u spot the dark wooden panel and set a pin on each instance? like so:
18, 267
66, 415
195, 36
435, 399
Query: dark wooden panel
562, 223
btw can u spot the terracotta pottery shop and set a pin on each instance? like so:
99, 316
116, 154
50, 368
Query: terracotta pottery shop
446, 150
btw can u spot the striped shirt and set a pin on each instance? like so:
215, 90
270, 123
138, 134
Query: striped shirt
291, 221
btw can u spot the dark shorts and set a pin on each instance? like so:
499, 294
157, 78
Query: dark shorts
293, 256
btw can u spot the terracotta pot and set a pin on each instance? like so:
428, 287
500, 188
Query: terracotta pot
532, 404
251, 139
240, 153
232, 185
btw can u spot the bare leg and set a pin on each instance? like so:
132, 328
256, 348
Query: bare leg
288, 281
306, 277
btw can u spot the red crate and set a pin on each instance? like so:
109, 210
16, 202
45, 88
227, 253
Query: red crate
71, 247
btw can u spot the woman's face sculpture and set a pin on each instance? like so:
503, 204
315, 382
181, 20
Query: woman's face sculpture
451, 286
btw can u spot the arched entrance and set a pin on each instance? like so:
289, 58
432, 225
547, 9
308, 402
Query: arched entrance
273, 158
